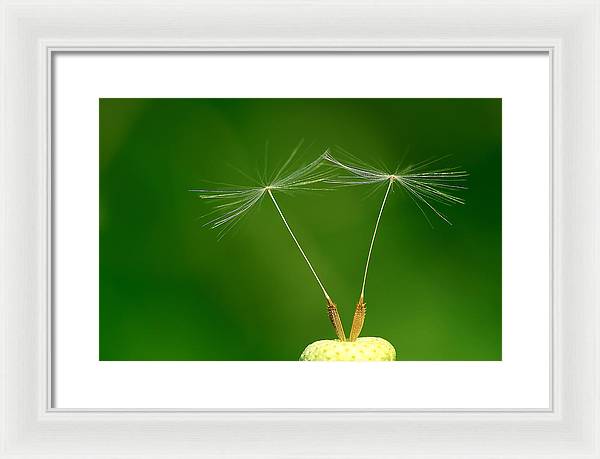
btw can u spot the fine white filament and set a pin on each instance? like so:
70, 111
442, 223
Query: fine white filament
233, 203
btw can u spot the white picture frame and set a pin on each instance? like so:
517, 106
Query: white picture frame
34, 30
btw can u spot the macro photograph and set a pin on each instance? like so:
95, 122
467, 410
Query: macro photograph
300, 229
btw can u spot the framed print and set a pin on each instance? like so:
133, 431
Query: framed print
280, 234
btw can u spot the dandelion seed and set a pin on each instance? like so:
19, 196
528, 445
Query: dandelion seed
231, 204
426, 188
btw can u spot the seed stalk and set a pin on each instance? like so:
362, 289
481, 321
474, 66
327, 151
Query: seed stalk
332, 310
361, 308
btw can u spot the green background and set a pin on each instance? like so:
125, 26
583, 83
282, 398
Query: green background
169, 290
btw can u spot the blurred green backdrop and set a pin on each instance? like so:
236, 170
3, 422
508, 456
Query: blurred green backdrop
169, 290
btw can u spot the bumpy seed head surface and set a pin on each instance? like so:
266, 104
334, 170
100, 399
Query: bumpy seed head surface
366, 349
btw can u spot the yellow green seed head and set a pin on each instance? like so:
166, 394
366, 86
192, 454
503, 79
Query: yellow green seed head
367, 349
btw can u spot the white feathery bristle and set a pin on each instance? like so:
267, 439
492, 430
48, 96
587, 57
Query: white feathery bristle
231, 203
425, 187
